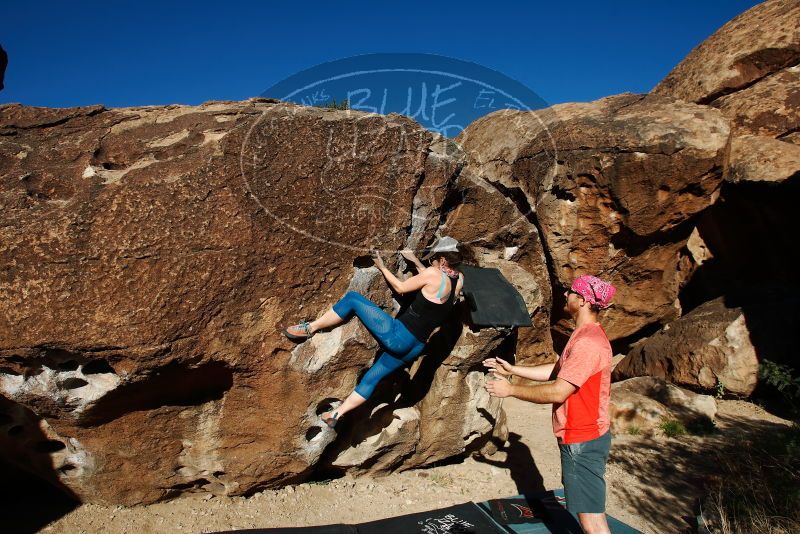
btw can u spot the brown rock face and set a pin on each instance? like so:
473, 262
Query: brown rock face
760, 159
610, 183
441, 393
748, 69
765, 119
499, 227
768, 108
644, 403
709, 346
151, 256
757, 43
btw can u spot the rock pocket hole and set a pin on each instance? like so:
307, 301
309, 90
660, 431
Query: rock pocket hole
73, 383
69, 365
363, 262
194, 484
326, 405
49, 446
15, 430
111, 166
175, 384
96, 367
67, 469
313, 432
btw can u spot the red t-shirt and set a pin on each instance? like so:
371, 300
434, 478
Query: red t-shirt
586, 364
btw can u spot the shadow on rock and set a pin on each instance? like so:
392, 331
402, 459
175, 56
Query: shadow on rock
28, 504
28, 501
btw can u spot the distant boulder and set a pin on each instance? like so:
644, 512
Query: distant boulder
710, 347
640, 405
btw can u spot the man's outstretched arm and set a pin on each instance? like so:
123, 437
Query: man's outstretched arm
539, 373
553, 393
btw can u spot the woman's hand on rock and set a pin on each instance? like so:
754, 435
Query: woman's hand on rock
409, 255
376, 257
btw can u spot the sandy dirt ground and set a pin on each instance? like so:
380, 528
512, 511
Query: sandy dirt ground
653, 484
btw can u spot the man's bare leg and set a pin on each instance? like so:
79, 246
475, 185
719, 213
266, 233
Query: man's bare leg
594, 523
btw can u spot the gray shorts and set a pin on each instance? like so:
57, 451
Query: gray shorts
583, 466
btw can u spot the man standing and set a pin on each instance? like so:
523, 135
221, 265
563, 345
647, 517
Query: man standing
580, 392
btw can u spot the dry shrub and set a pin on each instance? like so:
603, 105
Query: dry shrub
758, 486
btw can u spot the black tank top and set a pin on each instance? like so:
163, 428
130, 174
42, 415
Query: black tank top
423, 316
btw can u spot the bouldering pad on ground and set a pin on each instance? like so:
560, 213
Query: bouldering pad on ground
540, 513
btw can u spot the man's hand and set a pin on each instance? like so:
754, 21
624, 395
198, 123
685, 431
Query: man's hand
499, 387
499, 366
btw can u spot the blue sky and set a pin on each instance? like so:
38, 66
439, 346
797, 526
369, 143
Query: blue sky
133, 53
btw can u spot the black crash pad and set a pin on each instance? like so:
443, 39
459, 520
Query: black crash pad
541, 513
465, 518
492, 300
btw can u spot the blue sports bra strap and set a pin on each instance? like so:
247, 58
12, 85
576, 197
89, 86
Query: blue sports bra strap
441, 287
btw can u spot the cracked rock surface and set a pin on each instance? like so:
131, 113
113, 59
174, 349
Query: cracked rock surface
610, 186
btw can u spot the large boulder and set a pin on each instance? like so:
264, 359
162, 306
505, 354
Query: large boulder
750, 70
152, 256
610, 186
757, 43
641, 405
710, 348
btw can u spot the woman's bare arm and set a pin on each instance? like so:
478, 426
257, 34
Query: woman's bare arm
418, 281
410, 256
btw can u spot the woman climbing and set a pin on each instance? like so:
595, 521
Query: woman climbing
403, 338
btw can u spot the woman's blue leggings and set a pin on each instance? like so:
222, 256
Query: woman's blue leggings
400, 347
